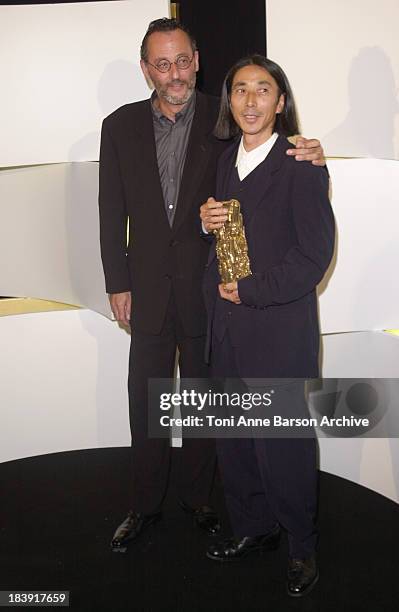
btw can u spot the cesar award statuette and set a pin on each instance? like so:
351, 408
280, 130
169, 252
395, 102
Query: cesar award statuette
231, 245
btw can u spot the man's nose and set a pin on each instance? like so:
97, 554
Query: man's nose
174, 71
251, 99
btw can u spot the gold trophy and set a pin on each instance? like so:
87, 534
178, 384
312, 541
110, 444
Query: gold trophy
231, 245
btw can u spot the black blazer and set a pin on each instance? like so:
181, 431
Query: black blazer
290, 232
158, 256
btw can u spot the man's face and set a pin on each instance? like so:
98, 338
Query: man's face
175, 86
255, 101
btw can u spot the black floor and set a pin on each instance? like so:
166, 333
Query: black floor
58, 513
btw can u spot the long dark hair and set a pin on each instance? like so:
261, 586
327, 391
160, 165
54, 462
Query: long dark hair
286, 122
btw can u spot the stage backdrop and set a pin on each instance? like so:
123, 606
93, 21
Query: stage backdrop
63, 68
342, 58
67, 66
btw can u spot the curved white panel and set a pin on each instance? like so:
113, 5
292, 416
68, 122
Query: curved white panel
49, 235
63, 383
64, 377
372, 462
361, 289
49, 241
360, 355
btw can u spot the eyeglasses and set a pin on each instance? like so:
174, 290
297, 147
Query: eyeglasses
183, 62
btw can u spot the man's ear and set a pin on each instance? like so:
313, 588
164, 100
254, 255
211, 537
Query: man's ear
196, 61
280, 104
147, 77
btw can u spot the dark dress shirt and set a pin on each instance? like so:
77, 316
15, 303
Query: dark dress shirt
171, 139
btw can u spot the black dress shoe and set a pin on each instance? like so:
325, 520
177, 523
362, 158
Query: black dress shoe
302, 575
205, 518
133, 525
234, 548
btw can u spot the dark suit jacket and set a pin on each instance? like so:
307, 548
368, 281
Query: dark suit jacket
158, 256
290, 232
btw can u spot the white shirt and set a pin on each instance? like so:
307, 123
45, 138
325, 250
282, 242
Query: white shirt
247, 161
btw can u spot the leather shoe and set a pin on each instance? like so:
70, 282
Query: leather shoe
133, 525
302, 575
235, 548
205, 518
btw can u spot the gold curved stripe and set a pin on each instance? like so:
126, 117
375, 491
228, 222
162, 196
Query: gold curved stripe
15, 306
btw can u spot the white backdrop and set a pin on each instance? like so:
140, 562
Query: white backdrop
342, 60
63, 68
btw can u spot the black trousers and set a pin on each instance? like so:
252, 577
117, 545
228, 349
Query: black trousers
267, 481
154, 356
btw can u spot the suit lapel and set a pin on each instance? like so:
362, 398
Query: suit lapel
259, 181
226, 166
262, 178
144, 131
199, 150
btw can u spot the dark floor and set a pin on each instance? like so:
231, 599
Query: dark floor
58, 513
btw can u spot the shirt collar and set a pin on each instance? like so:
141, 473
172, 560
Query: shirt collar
257, 155
184, 116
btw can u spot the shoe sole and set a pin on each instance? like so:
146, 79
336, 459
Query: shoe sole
307, 590
123, 548
258, 551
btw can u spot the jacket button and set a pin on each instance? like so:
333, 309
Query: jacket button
173, 243
168, 276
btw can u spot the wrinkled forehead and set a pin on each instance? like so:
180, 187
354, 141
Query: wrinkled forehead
168, 45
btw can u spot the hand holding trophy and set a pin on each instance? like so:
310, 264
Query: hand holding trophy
231, 245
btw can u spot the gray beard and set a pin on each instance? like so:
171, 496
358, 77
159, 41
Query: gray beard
175, 100
178, 101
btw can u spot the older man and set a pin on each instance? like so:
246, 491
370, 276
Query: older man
157, 165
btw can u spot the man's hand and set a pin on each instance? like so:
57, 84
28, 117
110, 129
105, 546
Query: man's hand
121, 304
212, 215
230, 292
308, 150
